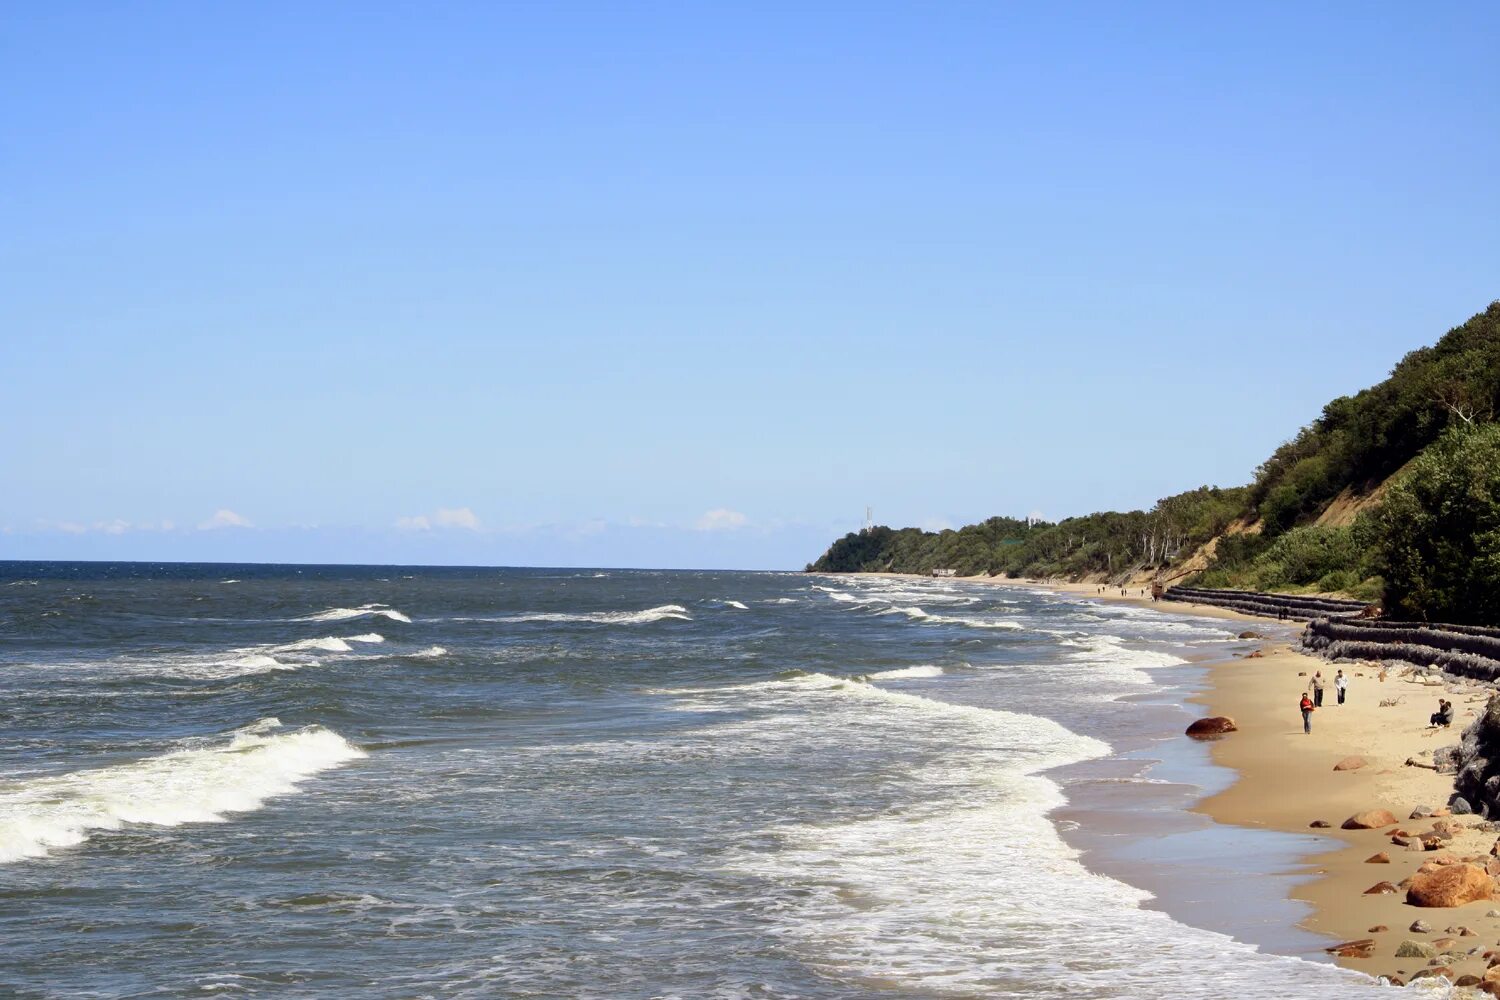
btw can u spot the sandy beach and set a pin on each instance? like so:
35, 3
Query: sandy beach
1286, 781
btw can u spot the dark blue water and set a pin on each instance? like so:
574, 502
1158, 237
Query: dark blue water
393, 782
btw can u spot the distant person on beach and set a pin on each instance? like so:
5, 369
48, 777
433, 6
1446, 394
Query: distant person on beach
1340, 684
1307, 711
1317, 686
1444, 715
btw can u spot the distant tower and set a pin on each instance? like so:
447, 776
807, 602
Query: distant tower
869, 518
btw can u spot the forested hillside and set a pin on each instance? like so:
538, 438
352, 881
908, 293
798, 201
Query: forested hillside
1391, 493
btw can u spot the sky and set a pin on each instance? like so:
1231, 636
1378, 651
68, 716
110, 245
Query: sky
692, 285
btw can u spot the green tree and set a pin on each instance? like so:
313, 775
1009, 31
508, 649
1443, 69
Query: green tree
1440, 531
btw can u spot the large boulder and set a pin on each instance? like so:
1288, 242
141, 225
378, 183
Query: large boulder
1415, 949
1363, 948
1215, 726
1452, 885
1370, 819
1350, 764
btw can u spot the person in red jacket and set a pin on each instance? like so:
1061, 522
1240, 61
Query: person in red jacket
1307, 711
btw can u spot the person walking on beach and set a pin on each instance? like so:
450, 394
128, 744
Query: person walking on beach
1340, 684
1317, 686
1307, 711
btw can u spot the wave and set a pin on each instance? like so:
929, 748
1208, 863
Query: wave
656, 614
430, 653
967, 887
735, 604
919, 614
907, 673
328, 644
364, 611
196, 785
367, 637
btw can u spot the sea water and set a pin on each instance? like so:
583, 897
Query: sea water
390, 782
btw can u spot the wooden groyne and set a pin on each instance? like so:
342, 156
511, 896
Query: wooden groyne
1463, 650
1293, 607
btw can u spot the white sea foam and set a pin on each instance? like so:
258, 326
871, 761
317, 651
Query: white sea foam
198, 784
907, 673
328, 644
367, 637
647, 616
736, 604
922, 615
968, 888
430, 653
364, 611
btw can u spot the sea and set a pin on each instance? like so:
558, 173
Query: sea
397, 782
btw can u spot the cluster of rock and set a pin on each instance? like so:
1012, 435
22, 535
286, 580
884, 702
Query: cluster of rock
1476, 763
1462, 650
1250, 602
1443, 880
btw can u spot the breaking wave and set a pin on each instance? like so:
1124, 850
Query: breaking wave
195, 785
656, 614
364, 611
907, 673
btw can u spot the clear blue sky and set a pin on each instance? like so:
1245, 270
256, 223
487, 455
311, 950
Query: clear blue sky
691, 285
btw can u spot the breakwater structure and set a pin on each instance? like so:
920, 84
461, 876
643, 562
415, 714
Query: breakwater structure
1463, 650
1292, 607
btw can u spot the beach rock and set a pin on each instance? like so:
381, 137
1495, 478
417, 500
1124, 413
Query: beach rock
1320, 824
1446, 828
1466, 932
1427, 867
1378, 929
1445, 944
1440, 970
1350, 764
1467, 980
1381, 858
1420, 812
1369, 819
1415, 949
1492, 913
1302, 673
1420, 927
1255, 655
1445, 859
1453, 885
1208, 728
1363, 948
1492, 867
1460, 806
1395, 981
1250, 635
1432, 842
1380, 889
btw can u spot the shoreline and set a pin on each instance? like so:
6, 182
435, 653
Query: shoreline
1284, 780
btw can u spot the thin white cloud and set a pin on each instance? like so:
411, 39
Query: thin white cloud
224, 518
936, 524
443, 517
456, 517
116, 527
720, 519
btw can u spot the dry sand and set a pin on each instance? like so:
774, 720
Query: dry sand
1286, 781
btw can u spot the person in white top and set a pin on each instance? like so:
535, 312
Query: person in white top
1341, 684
